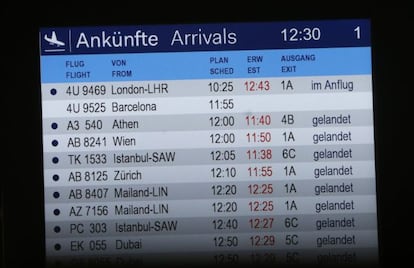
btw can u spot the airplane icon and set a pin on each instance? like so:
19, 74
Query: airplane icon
53, 40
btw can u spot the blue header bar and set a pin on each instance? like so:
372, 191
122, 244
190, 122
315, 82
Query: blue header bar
202, 65
204, 37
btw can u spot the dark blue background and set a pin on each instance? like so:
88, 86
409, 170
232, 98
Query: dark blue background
259, 35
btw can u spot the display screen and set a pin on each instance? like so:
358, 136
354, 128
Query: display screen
232, 143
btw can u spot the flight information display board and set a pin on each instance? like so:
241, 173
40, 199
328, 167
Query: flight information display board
209, 143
